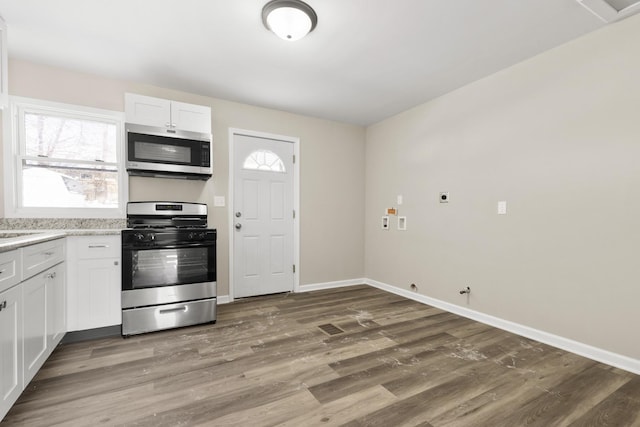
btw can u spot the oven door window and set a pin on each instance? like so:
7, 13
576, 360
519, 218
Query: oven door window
166, 267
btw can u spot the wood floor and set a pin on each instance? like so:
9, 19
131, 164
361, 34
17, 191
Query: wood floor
392, 362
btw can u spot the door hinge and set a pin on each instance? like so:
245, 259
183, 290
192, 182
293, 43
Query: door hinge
294, 214
294, 268
294, 158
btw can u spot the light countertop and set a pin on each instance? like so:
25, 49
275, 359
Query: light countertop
14, 239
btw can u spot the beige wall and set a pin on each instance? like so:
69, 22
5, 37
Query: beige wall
558, 138
331, 167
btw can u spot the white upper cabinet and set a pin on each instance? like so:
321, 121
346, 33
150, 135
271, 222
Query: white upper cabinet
163, 113
145, 110
195, 118
4, 64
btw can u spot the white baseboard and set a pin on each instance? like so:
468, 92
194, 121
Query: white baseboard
600, 355
594, 353
223, 299
226, 299
331, 285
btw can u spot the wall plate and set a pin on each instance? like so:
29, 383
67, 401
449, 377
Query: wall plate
402, 223
385, 222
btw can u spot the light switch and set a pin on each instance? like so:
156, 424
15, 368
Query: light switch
218, 201
399, 199
502, 207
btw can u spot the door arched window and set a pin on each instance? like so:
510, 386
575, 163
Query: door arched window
264, 160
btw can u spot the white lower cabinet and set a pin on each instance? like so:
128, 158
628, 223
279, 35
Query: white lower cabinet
11, 380
34, 293
94, 282
32, 316
44, 319
56, 305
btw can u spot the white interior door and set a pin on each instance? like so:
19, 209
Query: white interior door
262, 216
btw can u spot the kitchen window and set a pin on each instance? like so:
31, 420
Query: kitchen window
63, 161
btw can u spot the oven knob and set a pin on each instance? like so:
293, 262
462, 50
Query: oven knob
191, 236
202, 235
139, 237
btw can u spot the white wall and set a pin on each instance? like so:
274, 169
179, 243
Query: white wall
558, 138
331, 167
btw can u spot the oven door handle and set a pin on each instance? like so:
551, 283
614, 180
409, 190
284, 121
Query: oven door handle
173, 246
172, 310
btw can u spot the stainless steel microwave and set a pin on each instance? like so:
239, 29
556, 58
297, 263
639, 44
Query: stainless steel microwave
166, 153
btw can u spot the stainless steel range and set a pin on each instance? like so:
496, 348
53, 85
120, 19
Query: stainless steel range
168, 267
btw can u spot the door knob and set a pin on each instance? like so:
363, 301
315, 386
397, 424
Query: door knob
238, 226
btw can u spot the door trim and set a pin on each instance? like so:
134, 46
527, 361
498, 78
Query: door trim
296, 201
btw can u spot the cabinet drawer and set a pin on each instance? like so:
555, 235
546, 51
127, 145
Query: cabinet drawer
39, 257
9, 269
97, 247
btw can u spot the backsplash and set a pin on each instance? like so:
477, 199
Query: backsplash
61, 223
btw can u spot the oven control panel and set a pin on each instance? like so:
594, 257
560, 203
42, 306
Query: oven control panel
166, 237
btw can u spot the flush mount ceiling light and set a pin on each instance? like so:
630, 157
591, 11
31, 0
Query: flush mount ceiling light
289, 19
611, 10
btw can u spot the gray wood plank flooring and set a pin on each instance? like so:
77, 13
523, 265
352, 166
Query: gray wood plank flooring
267, 362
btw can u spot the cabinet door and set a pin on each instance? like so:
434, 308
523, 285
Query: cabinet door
190, 117
146, 110
93, 282
98, 293
11, 381
56, 306
35, 324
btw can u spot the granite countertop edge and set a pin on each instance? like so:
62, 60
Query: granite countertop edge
40, 236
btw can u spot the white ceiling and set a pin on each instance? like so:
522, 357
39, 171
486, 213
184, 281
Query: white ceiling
366, 60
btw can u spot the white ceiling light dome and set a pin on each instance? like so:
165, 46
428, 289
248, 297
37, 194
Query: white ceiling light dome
289, 19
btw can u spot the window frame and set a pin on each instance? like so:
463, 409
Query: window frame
14, 147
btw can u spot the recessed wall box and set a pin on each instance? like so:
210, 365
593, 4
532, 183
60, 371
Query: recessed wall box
402, 223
